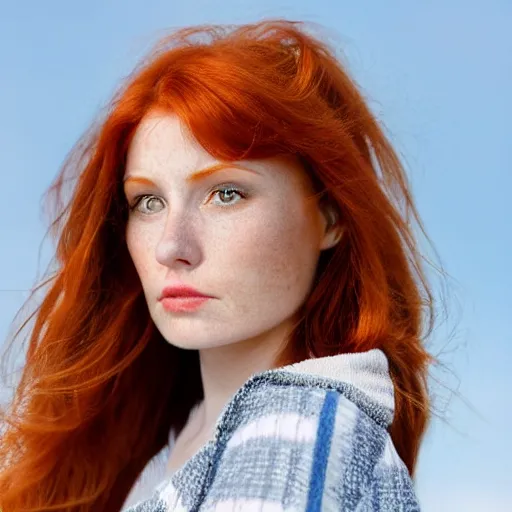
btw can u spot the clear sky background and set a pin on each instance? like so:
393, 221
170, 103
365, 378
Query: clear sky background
438, 73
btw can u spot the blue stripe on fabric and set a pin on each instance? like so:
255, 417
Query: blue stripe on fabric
321, 452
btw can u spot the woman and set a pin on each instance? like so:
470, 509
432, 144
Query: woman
236, 272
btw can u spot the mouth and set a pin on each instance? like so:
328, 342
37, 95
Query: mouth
181, 298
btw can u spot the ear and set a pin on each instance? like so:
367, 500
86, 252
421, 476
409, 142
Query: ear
333, 230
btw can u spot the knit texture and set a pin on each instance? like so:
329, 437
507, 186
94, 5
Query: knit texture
308, 437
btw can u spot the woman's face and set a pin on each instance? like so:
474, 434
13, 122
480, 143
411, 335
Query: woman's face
249, 239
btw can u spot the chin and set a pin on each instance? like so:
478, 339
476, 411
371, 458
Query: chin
195, 343
190, 333
193, 337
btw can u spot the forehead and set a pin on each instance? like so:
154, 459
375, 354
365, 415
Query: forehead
163, 142
163, 145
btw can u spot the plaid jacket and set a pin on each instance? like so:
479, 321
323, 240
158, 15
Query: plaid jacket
308, 437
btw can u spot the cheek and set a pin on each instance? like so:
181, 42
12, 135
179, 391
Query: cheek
276, 254
141, 249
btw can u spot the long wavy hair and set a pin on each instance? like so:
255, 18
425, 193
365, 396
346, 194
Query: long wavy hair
100, 388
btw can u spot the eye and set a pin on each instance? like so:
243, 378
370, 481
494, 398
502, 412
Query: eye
147, 204
226, 194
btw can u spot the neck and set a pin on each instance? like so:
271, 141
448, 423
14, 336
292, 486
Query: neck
225, 369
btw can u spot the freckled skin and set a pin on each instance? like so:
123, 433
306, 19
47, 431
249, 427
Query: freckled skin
257, 256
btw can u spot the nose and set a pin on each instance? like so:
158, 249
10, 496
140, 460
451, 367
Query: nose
179, 244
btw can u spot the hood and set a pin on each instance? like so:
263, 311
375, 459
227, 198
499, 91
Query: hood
366, 371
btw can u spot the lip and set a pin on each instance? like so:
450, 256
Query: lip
181, 298
181, 291
183, 304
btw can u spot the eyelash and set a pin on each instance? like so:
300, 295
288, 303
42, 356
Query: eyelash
222, 188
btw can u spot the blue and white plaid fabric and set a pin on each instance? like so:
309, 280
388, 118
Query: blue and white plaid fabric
308, 437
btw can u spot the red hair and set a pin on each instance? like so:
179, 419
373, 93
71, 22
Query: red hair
100, 388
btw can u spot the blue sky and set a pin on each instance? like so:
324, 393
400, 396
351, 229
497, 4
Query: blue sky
438, 74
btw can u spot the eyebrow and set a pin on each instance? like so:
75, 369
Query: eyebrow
197, 176
138, 179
